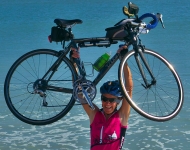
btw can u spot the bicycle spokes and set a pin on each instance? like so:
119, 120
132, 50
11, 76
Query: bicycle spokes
159, 98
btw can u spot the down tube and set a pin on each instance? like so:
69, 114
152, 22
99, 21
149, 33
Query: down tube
106, 68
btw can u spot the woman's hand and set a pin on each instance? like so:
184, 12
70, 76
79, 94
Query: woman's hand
121, 48
75, 52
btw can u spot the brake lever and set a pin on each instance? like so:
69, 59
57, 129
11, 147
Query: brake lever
159, 16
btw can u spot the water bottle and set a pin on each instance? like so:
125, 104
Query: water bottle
101, 61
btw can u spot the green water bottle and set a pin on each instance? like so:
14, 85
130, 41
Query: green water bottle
101, 61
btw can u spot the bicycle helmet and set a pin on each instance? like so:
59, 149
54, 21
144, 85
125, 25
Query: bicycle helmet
111, 87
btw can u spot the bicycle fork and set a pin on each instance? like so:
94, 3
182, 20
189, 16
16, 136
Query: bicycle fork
138, 61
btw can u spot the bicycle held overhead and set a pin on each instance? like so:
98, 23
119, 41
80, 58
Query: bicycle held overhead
42, 86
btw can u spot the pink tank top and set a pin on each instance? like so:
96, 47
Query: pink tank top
107, 134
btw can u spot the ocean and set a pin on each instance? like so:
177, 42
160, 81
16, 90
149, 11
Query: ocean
25, 26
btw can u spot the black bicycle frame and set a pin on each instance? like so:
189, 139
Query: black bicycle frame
64, 52
56, 64
106, 67
95, 42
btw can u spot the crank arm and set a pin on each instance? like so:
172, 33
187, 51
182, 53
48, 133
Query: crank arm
87, 99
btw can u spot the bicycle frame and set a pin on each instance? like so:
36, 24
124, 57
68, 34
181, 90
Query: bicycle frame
81, 72
99, 42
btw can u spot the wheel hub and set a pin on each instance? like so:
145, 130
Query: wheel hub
40, 87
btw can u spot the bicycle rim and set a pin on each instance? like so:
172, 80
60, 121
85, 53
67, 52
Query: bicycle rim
160, 102
19, 88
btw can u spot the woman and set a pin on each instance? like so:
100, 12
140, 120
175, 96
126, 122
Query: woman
108, 125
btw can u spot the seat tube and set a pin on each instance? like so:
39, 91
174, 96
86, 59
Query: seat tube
78, 61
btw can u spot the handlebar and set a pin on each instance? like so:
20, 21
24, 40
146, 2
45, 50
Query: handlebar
153, 23
156, 18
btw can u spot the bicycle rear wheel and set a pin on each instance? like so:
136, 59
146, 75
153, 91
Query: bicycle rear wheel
25, 75
161, 101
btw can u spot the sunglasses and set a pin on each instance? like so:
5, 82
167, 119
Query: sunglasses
111, 100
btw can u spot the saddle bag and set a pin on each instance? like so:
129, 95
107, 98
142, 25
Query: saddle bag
59, 34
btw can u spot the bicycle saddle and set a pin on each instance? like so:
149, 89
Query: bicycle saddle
64, 23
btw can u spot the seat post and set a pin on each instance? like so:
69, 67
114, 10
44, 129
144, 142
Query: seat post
71, 35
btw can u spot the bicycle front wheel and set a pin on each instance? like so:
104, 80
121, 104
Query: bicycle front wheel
24, 77
162, 100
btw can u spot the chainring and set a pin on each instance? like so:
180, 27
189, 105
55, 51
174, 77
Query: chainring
88, 86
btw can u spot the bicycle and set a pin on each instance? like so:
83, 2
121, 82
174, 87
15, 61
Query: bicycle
42, 86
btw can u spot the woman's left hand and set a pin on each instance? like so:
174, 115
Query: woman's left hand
75, 52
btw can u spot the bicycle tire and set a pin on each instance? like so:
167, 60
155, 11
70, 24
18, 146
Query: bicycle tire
19, 82
162, 101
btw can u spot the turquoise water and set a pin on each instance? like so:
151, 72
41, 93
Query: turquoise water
24, 26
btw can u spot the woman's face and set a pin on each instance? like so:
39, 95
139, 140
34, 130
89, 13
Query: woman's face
108, 107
